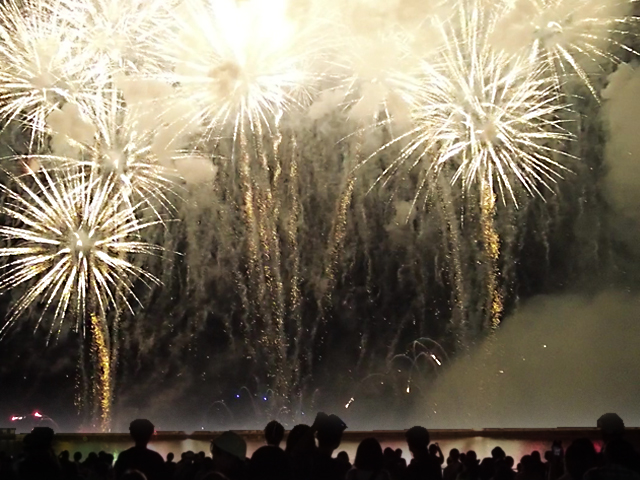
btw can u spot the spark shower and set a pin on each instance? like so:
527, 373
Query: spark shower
272, 172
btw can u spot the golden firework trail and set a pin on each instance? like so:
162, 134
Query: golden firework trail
103, 385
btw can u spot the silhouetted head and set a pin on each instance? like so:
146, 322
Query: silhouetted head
509, 461
133, 475
274, 433
343, 457
498, 453
527, 463
369, 455
471, 458
40, 438
535, 456
389, 454
454, 454
229, 452
433, 449
77, 456
300, 439
231, 444
64, 455
141, 431
611, 427
417, 439
170, 457
329, 431
580, 457
399, 452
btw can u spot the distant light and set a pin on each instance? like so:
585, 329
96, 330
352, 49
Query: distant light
37, 414
238, 396
436, 359
351, 400
264, 398
408, 389
501, 371
544, 346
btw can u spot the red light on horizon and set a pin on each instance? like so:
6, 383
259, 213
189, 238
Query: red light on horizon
37, 414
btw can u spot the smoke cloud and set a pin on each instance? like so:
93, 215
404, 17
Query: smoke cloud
559, 361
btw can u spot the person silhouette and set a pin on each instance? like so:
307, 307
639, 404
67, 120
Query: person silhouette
274, 433
270, 461
139, 457
369, 462
423, 466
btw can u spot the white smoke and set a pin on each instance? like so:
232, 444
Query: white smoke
559, 361
622, 179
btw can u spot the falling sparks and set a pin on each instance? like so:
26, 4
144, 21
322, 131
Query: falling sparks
103, 385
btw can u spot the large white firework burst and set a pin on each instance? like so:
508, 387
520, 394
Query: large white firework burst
70, 240
572, 37
118, 35
40, 69
238, 63
121, 144
374, 75
482, 116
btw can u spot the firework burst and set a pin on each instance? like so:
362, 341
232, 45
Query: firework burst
70, 245
376, 75
41, 70
118, 35
482, 117
570, 37
122, 146
238, 63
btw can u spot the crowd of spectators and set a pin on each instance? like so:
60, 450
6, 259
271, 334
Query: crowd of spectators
312, 453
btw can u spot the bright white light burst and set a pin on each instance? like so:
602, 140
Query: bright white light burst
572, 37
70, 241
40, 69
238, 63
482, 116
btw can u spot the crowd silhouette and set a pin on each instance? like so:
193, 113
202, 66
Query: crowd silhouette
308, 454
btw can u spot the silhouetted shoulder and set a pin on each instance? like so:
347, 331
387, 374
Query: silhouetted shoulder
147, 461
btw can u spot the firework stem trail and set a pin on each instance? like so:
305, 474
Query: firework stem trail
102, 388
491, 246
455, 244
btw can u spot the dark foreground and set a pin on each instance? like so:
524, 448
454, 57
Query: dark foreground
324, 452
